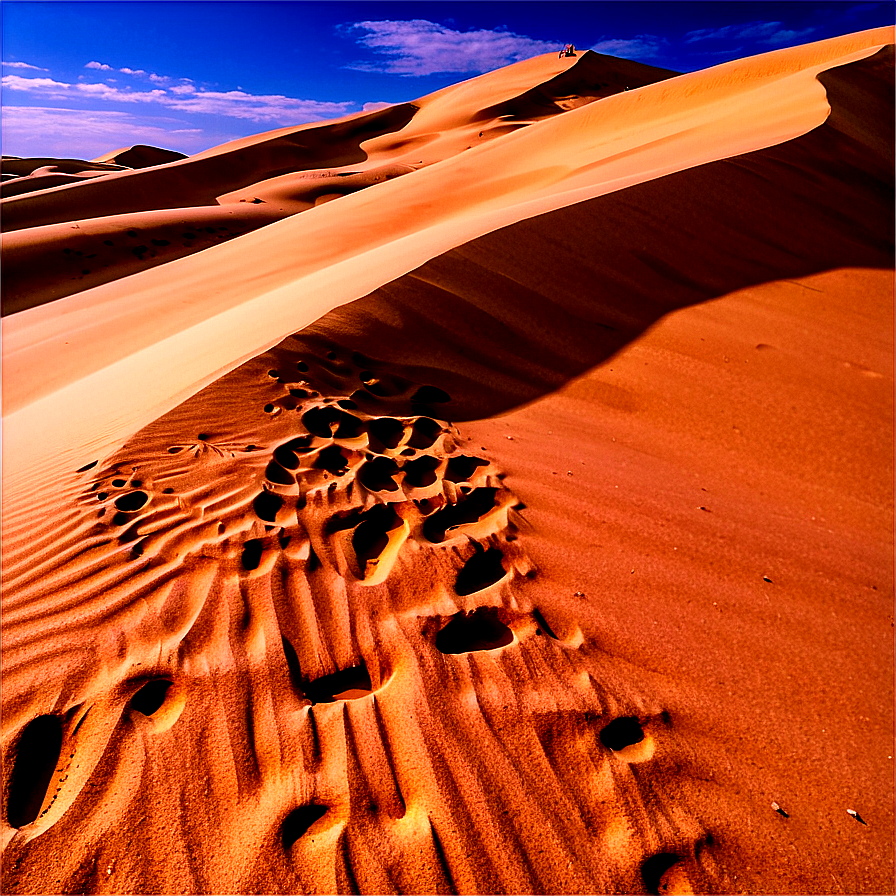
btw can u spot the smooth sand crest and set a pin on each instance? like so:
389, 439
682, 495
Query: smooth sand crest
643, 133
300, 633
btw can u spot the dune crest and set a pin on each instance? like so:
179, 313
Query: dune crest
276, 614
491, 187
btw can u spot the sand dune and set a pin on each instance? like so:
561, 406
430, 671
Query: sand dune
622, 140
510, 510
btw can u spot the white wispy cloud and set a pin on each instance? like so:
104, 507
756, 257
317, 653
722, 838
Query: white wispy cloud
132, 71
101, 66
186, 98
375, 107
35, 68
642, 46
418, 47
239, 104
784, 35
117, 95
47, 88
66, 133
35, 85
763, 32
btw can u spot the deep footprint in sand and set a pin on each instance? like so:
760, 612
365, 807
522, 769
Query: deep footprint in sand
480, 630
35, 758
347, 509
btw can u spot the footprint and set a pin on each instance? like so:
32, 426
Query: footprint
149, 699
627, 738
664, 873
347, 684
462, 467
266, 506
131, 501
376, 475
299, 822
470, 509
479, 630
480, 571
386, 433
252, 551
377, 540
35, 759
421, 473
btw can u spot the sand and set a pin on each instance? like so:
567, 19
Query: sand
503, 502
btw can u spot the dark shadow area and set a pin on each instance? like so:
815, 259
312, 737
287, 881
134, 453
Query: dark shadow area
515, 314
462, 467
473, 507
593, 77
376, 475
347, 684
543, 627
479, 630
33, 763
480, 571
297, 823
292, 663
275, 473
424, 433
333, 460
151, 696
654, 868
371, 537
421, 473
131, 501
329, 421
251, 556
286, 457
385, 432
266, 506
431, 395
622, 733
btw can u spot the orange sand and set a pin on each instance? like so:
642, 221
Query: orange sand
273, 623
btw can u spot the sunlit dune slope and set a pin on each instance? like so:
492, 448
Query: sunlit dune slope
521, 522
242, 185
600, 147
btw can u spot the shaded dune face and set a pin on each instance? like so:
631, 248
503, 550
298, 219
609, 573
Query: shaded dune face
287, 640
529, 307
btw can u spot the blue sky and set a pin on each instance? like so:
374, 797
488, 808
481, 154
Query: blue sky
82, 78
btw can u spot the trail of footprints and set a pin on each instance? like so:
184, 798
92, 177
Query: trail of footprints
377, 519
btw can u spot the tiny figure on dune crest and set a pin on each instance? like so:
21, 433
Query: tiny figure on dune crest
568, 50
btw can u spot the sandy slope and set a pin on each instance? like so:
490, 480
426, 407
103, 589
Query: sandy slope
234, 310
300, 634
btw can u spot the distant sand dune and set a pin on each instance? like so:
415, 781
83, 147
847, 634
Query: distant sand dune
276, 614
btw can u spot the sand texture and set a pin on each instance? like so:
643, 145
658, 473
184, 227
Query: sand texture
488, 494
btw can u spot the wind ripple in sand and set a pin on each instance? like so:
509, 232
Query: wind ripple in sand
298, 651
